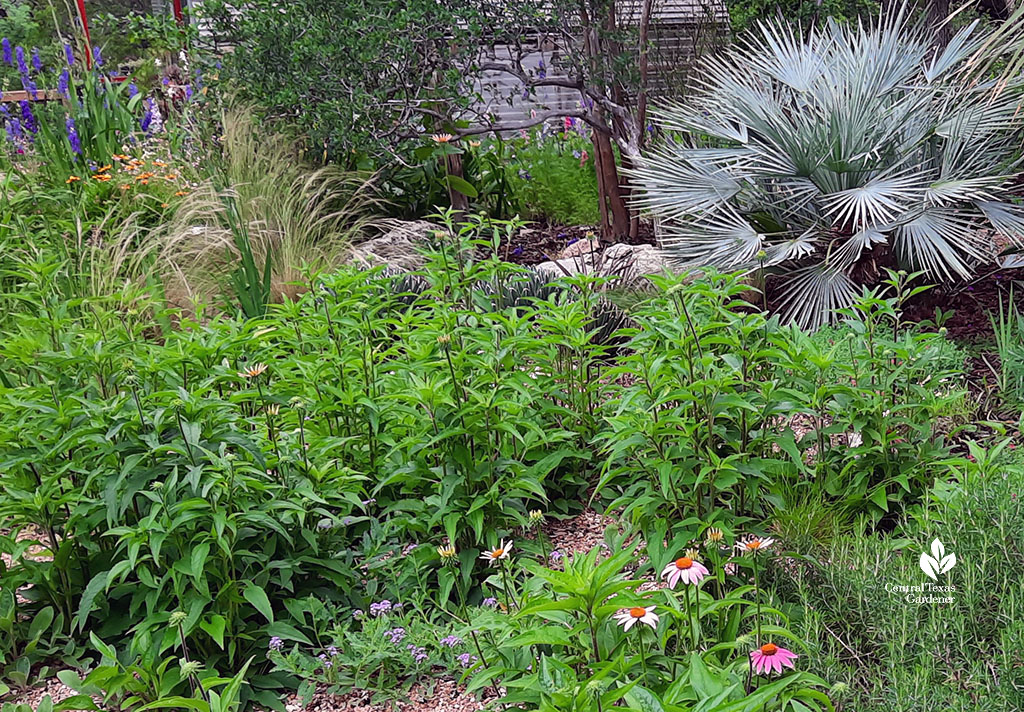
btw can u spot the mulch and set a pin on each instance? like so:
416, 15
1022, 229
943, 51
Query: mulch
972, 303
541, 241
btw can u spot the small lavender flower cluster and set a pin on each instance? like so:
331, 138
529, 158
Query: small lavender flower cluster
380, 608
418, 654
452, 641
395, 635
490, 602
466, 660
276, 643
325, 661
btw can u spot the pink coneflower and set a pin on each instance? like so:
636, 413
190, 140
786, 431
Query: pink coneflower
753, 544
629, 617
684, 569
493, 556
770, 657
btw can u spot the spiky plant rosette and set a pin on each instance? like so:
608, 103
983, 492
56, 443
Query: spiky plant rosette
825, 158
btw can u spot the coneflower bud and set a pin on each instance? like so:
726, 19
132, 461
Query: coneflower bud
448, 555
536, 517
177, 618
190, 668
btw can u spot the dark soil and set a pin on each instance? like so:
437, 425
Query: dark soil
972, 303
541, 241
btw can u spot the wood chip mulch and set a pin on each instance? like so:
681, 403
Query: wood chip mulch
441, 696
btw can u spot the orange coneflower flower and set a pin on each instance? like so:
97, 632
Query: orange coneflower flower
253, 371
144, 181
104, 169
181, 193
170, 176
126, 186
442, 138
101, 177
161, 164
72, 179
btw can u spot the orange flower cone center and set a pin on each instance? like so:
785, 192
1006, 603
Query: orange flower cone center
684, 563
497, 553
754, 544
769, 649
638, 612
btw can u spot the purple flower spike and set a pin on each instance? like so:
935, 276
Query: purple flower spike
276, 643
37, 62
69, 55
28, 119
76, 148
133, 91
97, 56
8, 57
64, 84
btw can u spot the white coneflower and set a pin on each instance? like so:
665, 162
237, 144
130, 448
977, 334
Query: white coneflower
493, 556
628, 617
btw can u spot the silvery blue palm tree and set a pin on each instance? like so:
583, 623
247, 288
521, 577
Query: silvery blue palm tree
827, 157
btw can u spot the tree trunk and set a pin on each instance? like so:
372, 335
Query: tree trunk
454, 168
614, 213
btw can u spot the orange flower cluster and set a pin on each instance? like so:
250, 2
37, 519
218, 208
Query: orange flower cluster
131, 165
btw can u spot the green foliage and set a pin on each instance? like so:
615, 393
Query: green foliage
730, 412
556, 180
746, 14
561, 649
880, 642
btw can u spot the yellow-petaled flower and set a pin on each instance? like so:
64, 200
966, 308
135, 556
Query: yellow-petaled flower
692, 553
536, 516
72, 179
442, 138
447, 554
273, 408
253, 371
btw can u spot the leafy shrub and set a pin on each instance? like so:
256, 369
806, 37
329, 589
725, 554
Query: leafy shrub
815, 158
727, 411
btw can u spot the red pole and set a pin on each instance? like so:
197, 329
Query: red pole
85, 29
178, 15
